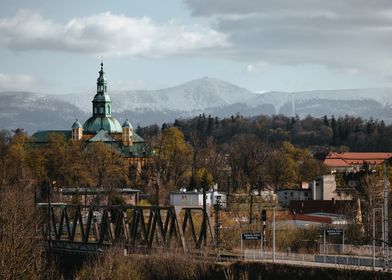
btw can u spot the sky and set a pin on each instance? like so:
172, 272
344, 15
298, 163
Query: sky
55, 47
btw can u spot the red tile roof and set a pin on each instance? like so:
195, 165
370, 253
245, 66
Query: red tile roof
334, 159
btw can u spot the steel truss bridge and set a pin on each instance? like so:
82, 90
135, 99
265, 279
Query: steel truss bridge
92, 229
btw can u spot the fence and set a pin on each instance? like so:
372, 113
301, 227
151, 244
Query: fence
348, 249
338, 260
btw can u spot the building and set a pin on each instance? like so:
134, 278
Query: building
323, 188
253, 203
103, 127
324, 206
195, 198
354, 162
287, 195
89, 196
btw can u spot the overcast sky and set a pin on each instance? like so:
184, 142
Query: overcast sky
55, 46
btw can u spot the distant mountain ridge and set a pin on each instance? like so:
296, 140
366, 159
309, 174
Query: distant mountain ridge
35, 111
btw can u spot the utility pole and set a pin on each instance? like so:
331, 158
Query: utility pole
49, 214
204, 222
273, 234
251, 209
374, 239
386, 195
217, 219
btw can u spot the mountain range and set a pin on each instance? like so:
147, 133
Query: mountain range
37, 111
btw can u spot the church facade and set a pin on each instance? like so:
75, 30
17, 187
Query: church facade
103, 127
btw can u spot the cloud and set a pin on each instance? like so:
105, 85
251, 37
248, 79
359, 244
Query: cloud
20, 82
107, 34
250, 68
350, 34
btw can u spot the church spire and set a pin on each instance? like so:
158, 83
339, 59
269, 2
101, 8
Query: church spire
101, 102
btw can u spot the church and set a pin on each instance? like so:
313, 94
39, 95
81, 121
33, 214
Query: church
103, 127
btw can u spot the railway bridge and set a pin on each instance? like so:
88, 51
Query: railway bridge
94, 228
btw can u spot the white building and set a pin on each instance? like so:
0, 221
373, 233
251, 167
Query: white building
195, 198
286, 195
323, 188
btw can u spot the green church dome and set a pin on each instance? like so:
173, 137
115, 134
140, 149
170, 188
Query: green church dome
107, 123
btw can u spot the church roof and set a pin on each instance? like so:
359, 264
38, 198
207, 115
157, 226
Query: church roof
136, 138
77, 124
102, 77
108, 123
102, 136
137, 150
101, 97
127, 124
42, 136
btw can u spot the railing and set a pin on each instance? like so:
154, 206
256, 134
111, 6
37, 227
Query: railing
348, 249
307, 259
254, 255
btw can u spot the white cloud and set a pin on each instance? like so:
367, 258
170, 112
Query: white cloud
349, 34
250, 68
19, 82
107, 34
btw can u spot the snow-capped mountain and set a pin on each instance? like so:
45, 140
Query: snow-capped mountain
367, 103
34, 111
192, 96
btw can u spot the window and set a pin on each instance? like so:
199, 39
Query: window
291, 194
101, 110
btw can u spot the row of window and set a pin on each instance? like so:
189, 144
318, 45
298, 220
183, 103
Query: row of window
101, 88
102, 110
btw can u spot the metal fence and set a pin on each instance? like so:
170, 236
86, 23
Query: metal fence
338, 260
250, 255
357, 250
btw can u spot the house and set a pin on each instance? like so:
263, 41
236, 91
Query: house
286, 195
323, 188
353, 162
195, 198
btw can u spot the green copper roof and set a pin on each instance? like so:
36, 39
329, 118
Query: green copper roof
102, 136
127, 124
100, 97
77, 124
101, 78
136, 138
42, 136
95, 124
137, 150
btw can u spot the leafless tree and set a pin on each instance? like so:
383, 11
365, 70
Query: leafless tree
20, 241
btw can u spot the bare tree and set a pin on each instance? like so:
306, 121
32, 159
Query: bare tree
20, 243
